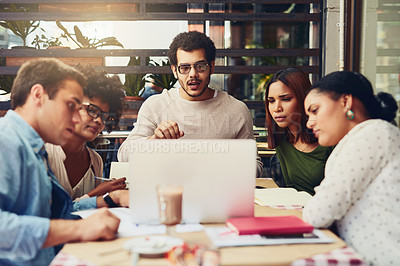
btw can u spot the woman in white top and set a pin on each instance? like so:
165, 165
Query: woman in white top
361, 190
74, 164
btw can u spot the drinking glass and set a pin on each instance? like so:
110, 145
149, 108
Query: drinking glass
170, 206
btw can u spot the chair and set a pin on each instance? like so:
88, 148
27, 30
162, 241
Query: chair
275, 171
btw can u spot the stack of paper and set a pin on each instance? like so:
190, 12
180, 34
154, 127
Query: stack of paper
224, 237
127, 228
281, 196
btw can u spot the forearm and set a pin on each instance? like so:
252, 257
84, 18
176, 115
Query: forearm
120, 197
102, 225
22, 234
129, 145
63, 231
85, 204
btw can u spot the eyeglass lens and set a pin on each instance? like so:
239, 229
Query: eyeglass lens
94, 111
199, 67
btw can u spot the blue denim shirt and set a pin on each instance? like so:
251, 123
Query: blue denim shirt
30, 195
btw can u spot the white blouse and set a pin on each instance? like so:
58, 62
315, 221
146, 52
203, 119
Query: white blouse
87, 183
361, 192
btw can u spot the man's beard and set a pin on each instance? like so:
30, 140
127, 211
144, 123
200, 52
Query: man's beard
197, 95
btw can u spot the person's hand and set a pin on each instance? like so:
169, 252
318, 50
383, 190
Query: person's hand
167, 130
120, 197
108, 186
103, 225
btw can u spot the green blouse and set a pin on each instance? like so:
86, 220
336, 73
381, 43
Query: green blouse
301, 170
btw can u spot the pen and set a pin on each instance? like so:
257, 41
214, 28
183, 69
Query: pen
107, 179
104, 179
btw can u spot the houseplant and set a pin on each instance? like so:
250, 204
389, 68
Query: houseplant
85, 42
162, 81
21, 28
134, 82
42, 41
134, 88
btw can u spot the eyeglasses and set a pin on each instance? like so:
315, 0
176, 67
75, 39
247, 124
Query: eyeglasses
200, 67
95, 111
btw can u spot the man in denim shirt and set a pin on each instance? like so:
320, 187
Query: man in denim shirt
35, 217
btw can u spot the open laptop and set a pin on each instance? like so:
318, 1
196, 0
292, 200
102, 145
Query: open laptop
218, 178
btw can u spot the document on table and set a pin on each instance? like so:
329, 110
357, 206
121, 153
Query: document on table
224, 237
129, 229
280, 196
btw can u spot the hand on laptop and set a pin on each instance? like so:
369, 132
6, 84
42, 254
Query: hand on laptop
167, 130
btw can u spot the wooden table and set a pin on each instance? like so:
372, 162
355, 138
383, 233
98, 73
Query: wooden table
112, 252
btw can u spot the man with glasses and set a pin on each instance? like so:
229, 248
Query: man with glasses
75, 165
193, 111
35, 211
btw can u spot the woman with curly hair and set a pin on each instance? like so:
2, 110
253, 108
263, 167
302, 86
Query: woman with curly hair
75, 164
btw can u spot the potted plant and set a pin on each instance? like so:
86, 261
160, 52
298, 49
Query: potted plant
134, 88
42, 41
162, 81
21, 28
134, 83
85, 42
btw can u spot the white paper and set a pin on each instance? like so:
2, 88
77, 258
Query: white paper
224, 237
129, 229
280, 196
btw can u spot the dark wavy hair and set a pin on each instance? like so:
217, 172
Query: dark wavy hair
299, 84
339, 83
108, 89
189, 41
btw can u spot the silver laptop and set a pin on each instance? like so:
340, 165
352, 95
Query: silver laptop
218, 178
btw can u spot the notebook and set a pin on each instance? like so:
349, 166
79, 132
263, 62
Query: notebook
119, 169
272, 225
281, 196
218, 178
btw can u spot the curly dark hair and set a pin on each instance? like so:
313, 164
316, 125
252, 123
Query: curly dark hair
189, 41
108, 89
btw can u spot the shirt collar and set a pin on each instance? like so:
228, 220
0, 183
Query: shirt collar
26, 130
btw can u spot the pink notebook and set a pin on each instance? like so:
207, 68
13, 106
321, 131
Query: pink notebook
272, 225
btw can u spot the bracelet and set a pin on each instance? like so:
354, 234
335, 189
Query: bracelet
109, 201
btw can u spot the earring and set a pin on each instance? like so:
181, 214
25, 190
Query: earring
350, 114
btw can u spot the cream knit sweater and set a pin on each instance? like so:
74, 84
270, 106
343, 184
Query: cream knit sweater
221, 117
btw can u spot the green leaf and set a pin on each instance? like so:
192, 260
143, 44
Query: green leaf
58, 23
84, 41
109, 41
134, 83
165, 81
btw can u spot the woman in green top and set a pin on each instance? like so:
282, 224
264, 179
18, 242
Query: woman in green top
302, 160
